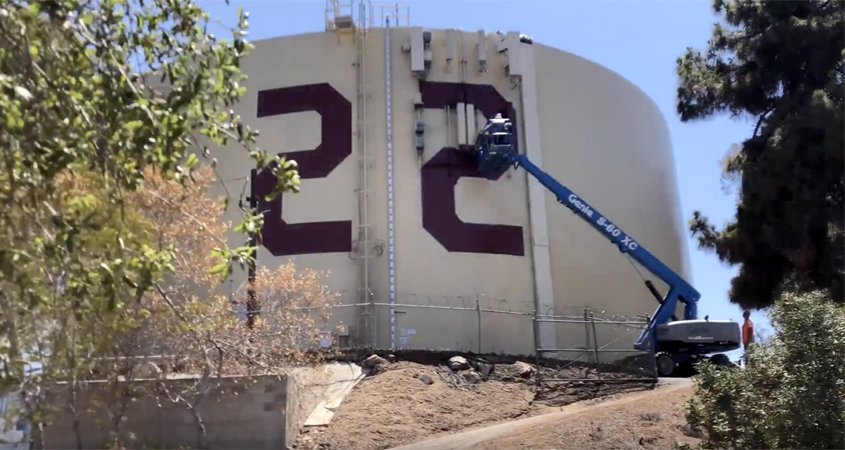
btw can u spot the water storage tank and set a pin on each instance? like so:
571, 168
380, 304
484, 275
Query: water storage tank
400, 217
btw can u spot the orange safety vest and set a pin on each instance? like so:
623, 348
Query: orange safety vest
747, 333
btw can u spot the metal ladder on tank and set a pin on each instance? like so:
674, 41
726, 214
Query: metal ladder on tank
366, 243
339, 17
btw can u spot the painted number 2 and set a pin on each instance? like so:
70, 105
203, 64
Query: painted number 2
439, 175
279, 237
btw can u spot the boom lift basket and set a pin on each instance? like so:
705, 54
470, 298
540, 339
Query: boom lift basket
494, 145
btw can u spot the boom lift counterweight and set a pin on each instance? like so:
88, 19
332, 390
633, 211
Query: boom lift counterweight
676, 343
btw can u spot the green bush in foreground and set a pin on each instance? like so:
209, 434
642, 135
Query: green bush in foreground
792, 390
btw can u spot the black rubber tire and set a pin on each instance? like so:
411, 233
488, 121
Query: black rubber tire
721, 360
665, 365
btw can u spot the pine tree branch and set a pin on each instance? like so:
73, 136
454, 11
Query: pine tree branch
766, 114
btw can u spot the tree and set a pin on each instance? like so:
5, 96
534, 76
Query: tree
95, 94
781, 63
790, 394
189, 326
185, 327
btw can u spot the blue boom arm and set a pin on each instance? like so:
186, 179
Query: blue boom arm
495, 151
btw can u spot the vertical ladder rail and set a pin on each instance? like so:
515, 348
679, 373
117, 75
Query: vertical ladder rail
364, 225
391, 251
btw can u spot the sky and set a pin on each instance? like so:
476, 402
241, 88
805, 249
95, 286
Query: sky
638, 39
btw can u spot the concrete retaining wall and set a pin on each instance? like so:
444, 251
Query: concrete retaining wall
257, 412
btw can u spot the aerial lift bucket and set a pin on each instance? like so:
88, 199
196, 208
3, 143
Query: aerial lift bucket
494, 145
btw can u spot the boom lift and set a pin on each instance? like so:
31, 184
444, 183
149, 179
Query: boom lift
677, 344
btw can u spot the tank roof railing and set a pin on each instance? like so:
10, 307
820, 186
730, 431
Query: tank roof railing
340, 14
398, 13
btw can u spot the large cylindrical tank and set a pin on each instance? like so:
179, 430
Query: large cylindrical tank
414, 223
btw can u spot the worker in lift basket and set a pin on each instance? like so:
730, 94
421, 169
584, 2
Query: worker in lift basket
747, 333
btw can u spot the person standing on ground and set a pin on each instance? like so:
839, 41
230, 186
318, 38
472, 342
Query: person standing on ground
747, 333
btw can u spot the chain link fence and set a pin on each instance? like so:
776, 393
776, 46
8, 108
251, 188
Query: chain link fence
589, 345
601, 348
468, 324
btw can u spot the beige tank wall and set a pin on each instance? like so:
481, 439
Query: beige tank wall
600, 136
606, 141
304, 60
427, 273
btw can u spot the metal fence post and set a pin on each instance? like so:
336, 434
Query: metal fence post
586, 330
478, 315
595, 344
536, 352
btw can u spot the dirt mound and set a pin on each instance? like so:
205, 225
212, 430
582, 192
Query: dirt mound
398, 406
403, 402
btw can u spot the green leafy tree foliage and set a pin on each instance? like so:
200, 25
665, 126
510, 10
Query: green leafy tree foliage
93, 93
791, 393
185, 327
781, 64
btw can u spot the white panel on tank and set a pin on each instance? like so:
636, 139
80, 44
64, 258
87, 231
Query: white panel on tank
462, 124
471, 125
502, 43
481, 46
450, 45
514, 47
531, 132
417, 50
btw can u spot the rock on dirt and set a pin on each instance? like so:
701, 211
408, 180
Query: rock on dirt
373, 362
471, 376
458, 363
524, 370
484, 368
514, 372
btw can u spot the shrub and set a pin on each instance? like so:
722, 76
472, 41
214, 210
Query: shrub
790, 393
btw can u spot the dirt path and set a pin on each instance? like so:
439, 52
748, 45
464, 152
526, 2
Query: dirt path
612, 423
